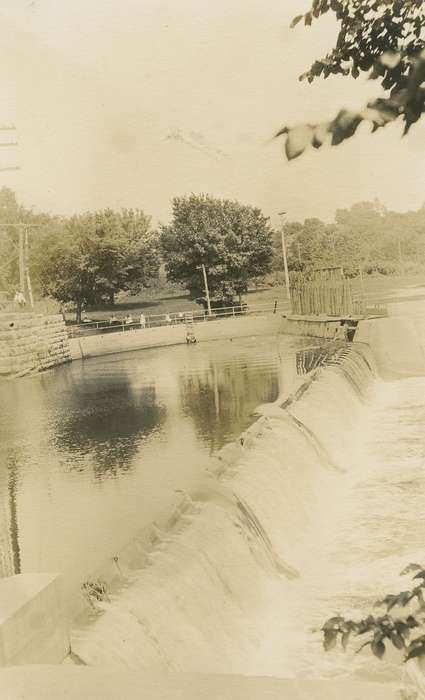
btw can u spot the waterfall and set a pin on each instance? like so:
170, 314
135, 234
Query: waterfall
216, 585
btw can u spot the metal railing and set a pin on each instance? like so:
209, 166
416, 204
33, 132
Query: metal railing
175, 318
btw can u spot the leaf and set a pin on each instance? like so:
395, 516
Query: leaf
415, 649
320, 134
298, 139
344, 639
308, 19
333, 623
344, 126
378, 648
296, 21
410, 568
397, 640
420, 574
329, 639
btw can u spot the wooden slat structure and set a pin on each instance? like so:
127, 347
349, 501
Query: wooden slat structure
327, 293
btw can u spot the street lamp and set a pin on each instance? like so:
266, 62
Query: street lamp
207, 291
285, 260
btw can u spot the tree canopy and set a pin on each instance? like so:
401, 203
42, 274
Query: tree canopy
384, 39
232, 240
366, 236
92, 256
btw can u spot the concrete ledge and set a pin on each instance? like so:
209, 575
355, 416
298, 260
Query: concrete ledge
315, 327
33, 624
163, 336
76, 683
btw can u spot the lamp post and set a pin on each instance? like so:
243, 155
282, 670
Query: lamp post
207, 291
285, 259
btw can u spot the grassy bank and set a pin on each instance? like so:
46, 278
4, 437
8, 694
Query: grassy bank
380, 289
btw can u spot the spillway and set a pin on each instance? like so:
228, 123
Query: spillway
300, 519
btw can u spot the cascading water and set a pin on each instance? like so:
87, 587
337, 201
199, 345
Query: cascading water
226, 587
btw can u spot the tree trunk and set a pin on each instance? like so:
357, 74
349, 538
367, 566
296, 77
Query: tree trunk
78, 311
112, 298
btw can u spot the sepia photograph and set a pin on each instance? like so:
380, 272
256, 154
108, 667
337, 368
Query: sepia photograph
212, 350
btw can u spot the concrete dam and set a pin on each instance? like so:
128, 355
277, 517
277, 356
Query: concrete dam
309, 513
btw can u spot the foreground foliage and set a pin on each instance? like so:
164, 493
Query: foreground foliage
384, 39
396, 629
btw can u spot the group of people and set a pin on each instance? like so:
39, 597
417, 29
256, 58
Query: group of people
142, 321
127, 320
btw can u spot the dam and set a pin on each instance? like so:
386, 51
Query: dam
302, 502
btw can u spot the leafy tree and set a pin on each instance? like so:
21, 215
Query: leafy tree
382, 38
365, 236
232, 240
92, 256
11, 212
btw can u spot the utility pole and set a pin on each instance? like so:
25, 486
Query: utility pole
207, 291
27, 269
285, 259
23, 258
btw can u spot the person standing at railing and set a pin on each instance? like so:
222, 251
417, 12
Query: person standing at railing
168, 319
142, 321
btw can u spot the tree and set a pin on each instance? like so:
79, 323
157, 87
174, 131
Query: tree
232, 240
92, 256
11, 212
386, 40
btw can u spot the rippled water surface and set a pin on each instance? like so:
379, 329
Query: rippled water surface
93, 451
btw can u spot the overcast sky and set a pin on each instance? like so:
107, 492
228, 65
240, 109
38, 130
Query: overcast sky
131, 102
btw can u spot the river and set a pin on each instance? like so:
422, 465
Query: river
92, 452
318, 517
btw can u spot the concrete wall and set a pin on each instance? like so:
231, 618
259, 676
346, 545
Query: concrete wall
33, 625
314, 327
31, 343
139, 339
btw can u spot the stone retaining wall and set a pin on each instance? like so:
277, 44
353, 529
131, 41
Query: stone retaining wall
31, 343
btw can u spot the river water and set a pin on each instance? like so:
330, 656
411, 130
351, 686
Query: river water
92, 452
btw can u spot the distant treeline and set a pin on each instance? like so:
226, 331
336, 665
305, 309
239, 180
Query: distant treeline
367, 236
87, 259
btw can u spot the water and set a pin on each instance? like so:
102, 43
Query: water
317, 516
93, 452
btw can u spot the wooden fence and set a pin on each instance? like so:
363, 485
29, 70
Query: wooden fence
323, 297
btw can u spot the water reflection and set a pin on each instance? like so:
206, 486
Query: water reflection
106, 420
93, 452
218, 395
10, 555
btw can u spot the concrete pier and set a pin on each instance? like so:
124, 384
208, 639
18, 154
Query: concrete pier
34, 628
